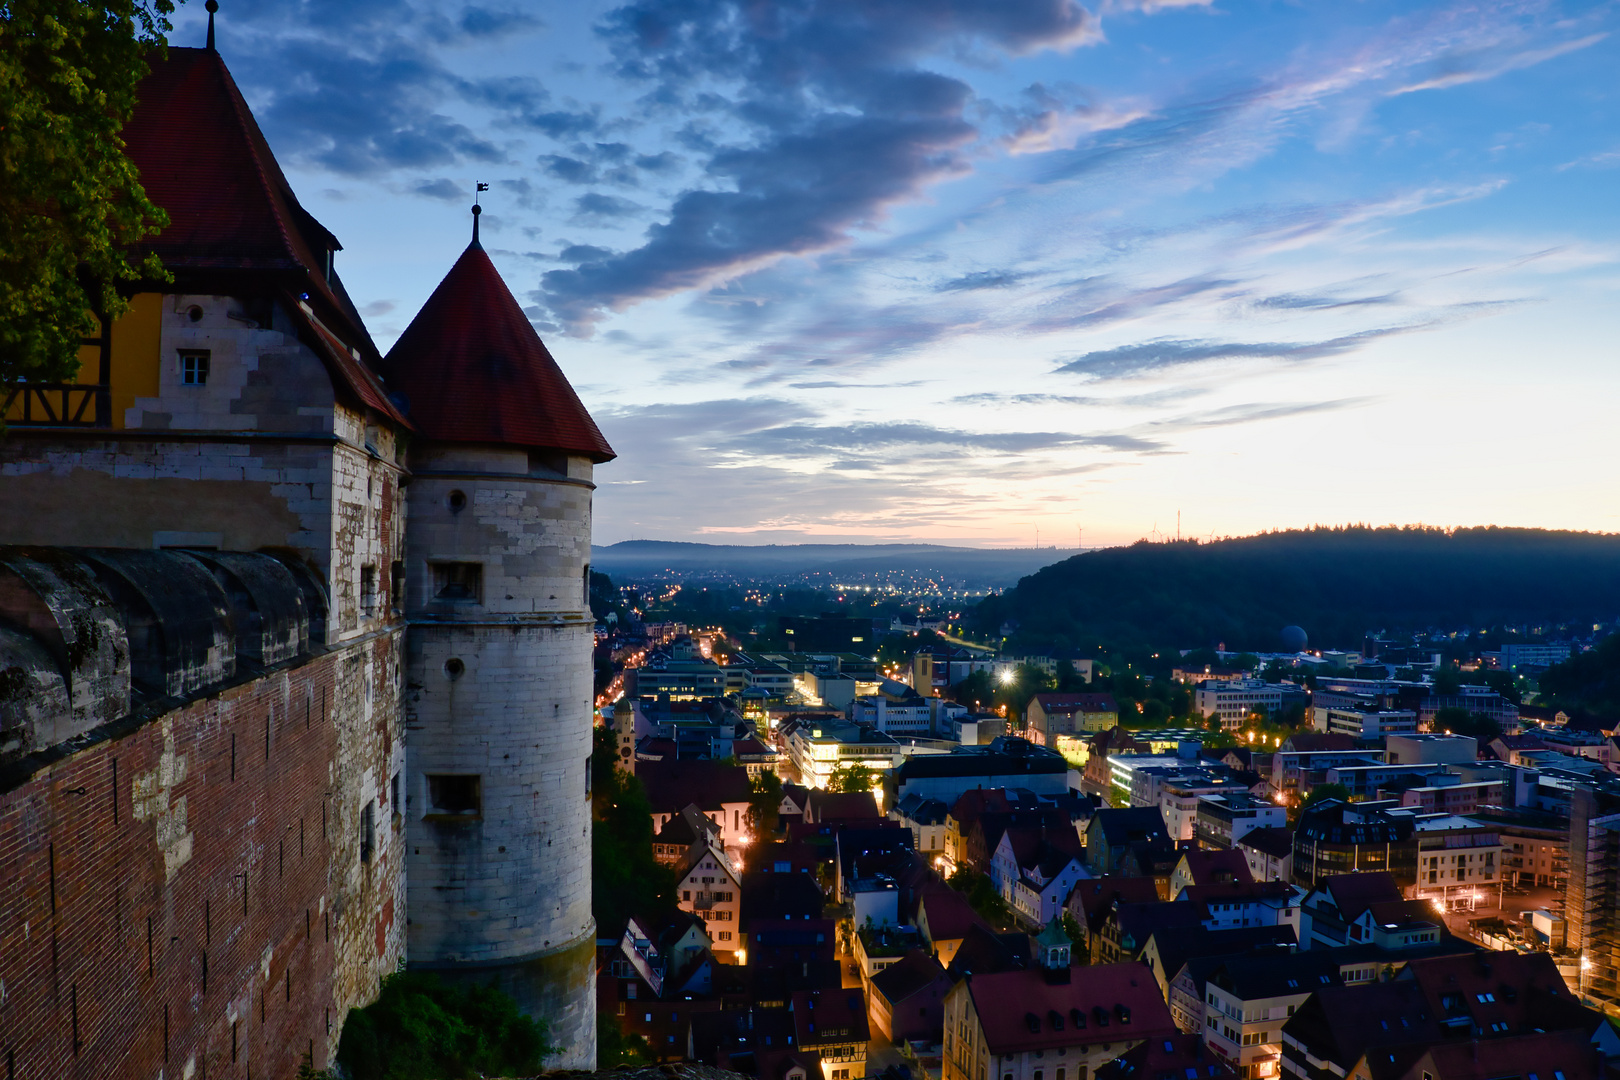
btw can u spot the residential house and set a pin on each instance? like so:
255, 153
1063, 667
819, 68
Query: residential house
1366, 908
772, 896
656, 979
1246, 903
838, 807
832, 1025
1110, 833
710, 889
1546, 1055
1333, 1034
1269, 853
719, 790
925, 818
907, 1001
1170, 947
1208, 867
680, 832
1092, 899
1035, 871
1046, 1024
1249, 998
944, 918
1181, 1057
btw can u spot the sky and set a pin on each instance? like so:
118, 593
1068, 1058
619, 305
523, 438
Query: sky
1000, 272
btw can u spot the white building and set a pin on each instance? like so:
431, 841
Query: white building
1234, 700
908, 717
1371, 725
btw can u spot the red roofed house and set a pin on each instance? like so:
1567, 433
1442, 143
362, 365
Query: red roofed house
944, 918
1209, 867
1052, 1021
1041, 1024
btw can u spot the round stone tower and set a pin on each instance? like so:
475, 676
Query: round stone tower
499, 675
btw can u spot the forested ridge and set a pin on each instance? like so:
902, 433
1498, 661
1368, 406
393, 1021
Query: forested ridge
1338, 583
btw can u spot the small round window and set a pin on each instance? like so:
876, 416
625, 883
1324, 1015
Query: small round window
194, 313
453, 668
458, 501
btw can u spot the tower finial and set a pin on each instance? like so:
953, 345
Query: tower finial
212, 6
476, 209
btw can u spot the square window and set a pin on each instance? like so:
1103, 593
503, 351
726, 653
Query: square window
194, 367
455, 796
458, 581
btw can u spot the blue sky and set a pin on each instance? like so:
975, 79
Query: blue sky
959, 271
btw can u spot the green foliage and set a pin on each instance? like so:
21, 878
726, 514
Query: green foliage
70, 200
625, 878
849, 778
421, 1028
1447, 680
764, 803
1077, 937
617, 1050
605, 598
1153, 597
1463, 722
1324, 792
981, 895
1589, 682
308, 1071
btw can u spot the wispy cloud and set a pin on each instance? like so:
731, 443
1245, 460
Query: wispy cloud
1126, 361
1463, 73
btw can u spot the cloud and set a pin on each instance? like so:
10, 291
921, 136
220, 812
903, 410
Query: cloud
841, 123
1256, 412
982, 279
594, 206
486, 23
1125, 361
1490, 69
446, 190
376, 308
1304, 302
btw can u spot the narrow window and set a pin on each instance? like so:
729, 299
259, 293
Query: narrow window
194, 367
455, 796
458, 581
368, 591
368, 831
396, 582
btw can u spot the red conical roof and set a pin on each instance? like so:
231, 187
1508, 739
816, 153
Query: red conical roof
470, 368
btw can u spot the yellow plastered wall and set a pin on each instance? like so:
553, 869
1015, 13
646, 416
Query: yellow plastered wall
135, 359
135, 342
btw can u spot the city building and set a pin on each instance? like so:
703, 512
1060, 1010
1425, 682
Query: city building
818, 748
1269, 852
1054, 719
1371, 725
1222, 818
1235, 700
1008, 762
1249, 998
907, 717
1430, 749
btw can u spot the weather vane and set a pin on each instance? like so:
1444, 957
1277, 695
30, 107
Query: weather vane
479, 188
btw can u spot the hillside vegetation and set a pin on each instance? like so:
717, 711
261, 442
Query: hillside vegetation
1337, 583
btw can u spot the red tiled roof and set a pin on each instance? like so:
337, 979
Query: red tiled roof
470, 368
1005, 1002
1208, 867
948, 914
203, 159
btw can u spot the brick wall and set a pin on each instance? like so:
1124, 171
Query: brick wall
189, 899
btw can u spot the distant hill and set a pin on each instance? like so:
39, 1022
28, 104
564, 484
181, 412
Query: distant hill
977, 567
1337, 583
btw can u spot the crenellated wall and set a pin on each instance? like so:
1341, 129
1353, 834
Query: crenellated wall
201, 888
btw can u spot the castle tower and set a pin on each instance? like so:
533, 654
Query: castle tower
499, 673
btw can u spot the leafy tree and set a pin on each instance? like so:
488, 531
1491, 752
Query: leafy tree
764, 803
978, 689
70, 200
605, 597
981, 895
1447, 680
850, 778
1589, 681
421, 1028
1462, 722
617, 1050
1071, 926
1324, 792
625, 878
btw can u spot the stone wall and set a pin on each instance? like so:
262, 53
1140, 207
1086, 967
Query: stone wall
186, 896
499, 687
